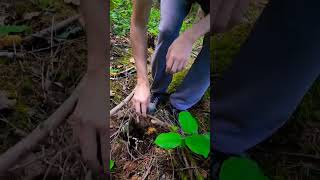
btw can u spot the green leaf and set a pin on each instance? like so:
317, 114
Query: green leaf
207, 135
5, 30
169, 140
199, 144
188, 123
111, 165
237, 167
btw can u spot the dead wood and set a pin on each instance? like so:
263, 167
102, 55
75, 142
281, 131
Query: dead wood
55, 27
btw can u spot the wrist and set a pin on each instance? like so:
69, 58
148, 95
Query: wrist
143, 81
190, 36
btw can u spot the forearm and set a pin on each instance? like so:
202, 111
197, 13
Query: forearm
199, 29
139, 48
138, 35
95, 15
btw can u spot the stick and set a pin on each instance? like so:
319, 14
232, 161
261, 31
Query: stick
56, 27
11, 54
16, 152
145, 175
120, 105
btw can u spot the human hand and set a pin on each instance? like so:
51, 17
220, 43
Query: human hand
89, 121
141, 98
227, 14
179, 53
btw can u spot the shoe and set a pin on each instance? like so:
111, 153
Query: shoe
174, 113
155, 101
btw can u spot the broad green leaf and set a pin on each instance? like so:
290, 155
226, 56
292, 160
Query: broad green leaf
188, 123
241, 168
207, 135
199, 144
5, 30
111, 165
169, 140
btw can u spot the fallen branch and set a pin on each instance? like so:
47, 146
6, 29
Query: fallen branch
16, 152
56, 27
120, 105
10, 54
157, 121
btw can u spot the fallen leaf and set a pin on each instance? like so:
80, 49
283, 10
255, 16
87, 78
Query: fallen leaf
135, 177
131, 60
10, 40
151, 130
5, 102
129, 167
112, 94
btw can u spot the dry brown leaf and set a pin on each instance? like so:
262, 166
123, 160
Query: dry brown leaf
10, 40
112, 94
151, 130
132, 60
129, 166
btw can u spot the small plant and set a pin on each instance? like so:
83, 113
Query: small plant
188, 136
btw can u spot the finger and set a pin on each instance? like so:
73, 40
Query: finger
224, 15
88, 145
137, 107
175, 67
170, 60
144, 109
181, 66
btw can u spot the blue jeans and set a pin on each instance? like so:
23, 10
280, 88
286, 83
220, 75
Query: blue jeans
275, 68
197, 80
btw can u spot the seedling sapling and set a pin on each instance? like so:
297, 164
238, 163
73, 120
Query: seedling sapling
189, 136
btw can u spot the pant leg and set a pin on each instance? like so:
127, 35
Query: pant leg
196, 81
269, 77
172, 16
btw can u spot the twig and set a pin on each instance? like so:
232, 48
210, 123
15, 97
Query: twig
57, 27
145, 175
121, 104
187, 164
11, 54
55, 157
157, 121
15, 153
